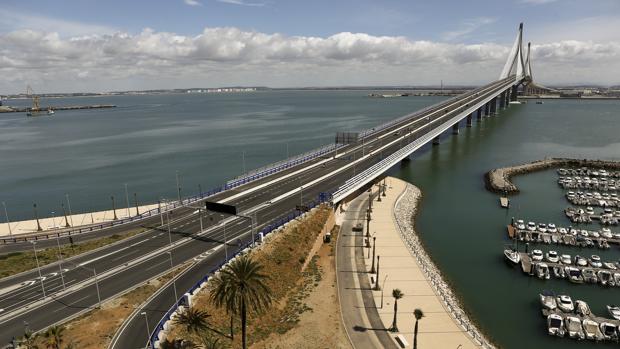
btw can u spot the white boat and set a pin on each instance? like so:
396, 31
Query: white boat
565, 259
605, 278
520, 224
573, 327
580, 261
591, 330
547, 299
582, 308
574, 275
555, 325
614, 311
609, 331
552, 257
551, 228
565, 303
617, 279
589, 275
512, 256
595, 261
531, 226
536, 255
542, 227
542, 271
558, 272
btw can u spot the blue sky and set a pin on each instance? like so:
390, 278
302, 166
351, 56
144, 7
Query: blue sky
455, 29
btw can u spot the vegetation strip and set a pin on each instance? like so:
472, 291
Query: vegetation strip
499, 180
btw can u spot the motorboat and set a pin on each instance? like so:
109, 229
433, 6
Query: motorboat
603, 244
591, 330
555, 238
580, 261
558, 272
574, 275
589, 275
551, 228
606, 233
606, 278
610, 266
542, 271
614, 311
531, 226
552, 257
520, 224
555, 325
609, 331
595, 261
512, 256
573, 327
536, 255
542, 227
590, 210
562, 231
565, 259
617, 279
547, 299
582, 308
565, 303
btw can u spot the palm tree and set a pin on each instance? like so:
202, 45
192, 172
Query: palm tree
193, 320
418, 313
53, 337
397, 294
28, 339
240, 287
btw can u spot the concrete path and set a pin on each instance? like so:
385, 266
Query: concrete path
437, 329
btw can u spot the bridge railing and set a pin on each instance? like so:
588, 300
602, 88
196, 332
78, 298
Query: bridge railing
275, 224
282, 165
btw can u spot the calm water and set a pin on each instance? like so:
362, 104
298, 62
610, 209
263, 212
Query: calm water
143, 142
464, 228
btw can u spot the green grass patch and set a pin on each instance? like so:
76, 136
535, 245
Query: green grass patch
17, 262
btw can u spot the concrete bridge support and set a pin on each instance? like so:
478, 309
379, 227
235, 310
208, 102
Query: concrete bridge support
508, 97
502, 101
455, 129
436, 141
494, 106
513, 94
469, 119
479, 114
487, 109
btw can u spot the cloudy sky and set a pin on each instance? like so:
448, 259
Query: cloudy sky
90, 45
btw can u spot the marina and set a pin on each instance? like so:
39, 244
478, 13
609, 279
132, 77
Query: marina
571, 236
575, 320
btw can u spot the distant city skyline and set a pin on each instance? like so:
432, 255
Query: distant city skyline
89, 46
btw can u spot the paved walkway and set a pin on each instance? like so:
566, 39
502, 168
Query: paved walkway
438, 329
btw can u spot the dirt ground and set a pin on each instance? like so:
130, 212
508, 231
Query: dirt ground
320, 327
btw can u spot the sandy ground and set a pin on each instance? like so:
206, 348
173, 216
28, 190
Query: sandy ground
321, 327
57, 222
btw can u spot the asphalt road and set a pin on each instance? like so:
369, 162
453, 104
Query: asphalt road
19, 294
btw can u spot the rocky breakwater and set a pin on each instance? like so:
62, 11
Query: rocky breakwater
499, 180
404, 211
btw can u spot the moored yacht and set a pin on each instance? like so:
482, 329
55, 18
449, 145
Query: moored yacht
609, 331
542, 271
552, 257
565, 259
512, 256
573, 327
555, 325
595, 261
558, 272
547, 299
582, 308
589, 275
605, 278
536, 255
614, 311
574, 275
565, 303
591, 330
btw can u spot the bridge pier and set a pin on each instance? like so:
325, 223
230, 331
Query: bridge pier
494, 106
487, 108
469, 119
479, 114
513, 95
502, 101
436, 141
455, 129
507, 100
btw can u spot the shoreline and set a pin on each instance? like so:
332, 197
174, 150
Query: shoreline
406, 209
499, 180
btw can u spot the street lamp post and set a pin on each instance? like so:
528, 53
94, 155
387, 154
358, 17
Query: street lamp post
69, 205
38, 266
113, 207
135, 198
178, 186
174, 282
148, 330
127, 200
368, 219
377, 288
60, 259
374, 244
64, 212
6, 214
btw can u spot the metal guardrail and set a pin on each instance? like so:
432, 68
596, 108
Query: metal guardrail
282, 165
324, 197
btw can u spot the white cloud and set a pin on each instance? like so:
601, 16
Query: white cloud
192, 3
467, 27
230, 56
242, 3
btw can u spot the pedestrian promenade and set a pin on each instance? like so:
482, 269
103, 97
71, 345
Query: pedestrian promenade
399, 269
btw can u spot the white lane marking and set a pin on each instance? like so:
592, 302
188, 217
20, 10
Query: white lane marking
156, 265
